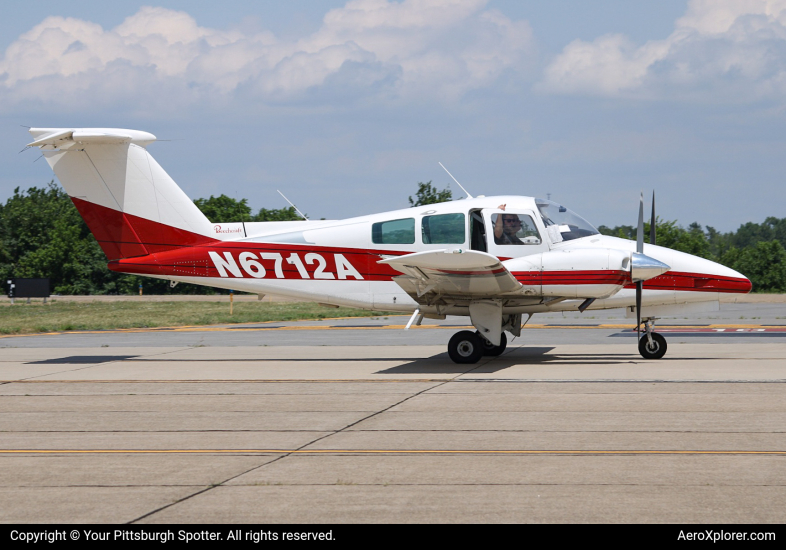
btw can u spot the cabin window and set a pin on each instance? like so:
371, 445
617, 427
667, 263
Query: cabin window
514, 229
394, 232
444, 229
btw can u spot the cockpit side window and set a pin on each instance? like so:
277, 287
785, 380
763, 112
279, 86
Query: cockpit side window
514, 229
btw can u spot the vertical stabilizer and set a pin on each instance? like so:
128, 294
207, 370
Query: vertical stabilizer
128, 201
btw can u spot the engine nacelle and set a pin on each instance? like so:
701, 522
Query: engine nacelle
576, 273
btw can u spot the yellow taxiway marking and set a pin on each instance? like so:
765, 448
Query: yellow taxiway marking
229, 381
389, 451
377, 327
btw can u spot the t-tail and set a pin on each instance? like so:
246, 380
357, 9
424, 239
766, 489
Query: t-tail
131, 205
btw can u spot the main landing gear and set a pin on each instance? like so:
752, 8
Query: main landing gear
489, 348
468, 347
652, 345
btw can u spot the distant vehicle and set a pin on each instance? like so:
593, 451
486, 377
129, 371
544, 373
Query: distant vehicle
493, 259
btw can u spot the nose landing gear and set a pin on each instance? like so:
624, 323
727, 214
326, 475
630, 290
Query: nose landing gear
652, 345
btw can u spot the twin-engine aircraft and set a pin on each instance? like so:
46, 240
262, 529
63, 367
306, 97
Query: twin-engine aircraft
497, 260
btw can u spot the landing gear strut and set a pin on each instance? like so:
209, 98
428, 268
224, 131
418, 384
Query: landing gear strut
652, 345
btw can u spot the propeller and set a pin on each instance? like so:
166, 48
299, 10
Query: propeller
640, 250
652, 220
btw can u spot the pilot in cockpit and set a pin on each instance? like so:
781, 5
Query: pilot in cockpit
505, 228
514, 228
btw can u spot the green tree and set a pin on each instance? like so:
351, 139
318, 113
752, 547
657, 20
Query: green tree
42, 235
667, 233
621, 231
763, 263
274, 215
428, 194
751, 233
719, 242
223, 209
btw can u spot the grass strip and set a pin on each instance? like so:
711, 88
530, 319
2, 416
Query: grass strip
62, 316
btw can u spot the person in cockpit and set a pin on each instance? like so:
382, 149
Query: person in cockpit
505, 229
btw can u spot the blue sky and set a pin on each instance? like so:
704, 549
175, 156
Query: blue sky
345, 106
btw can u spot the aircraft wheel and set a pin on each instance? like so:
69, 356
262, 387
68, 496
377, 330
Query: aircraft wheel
465, 347
654, 351
491, 349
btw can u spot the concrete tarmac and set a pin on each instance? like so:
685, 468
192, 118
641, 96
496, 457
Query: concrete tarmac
351, 421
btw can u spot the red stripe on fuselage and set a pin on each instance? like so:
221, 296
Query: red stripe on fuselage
696, 282
572, 277
195, 261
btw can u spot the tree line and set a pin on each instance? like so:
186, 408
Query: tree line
42, 235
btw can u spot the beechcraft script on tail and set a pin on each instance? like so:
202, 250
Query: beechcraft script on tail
497, 260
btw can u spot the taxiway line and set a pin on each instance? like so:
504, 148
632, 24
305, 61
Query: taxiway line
226, 381
389, 327
387, 451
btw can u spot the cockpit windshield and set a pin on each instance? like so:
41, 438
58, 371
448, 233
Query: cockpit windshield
562, 224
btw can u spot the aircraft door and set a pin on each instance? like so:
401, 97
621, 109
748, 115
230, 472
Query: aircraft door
511, 234
477, 231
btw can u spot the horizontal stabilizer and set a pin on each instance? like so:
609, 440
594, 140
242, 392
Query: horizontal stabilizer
52, 138
58, 137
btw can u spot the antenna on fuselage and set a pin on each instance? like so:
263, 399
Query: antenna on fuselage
292, 205
457, 183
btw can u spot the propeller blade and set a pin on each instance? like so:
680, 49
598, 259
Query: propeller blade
652, 220
640, 232
639, 289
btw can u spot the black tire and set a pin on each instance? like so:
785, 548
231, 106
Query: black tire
656, 351
490, 349
465, 347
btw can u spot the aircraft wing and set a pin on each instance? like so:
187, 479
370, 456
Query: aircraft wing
457, 273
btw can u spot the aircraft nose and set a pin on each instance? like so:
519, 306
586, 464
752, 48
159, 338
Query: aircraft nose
742, 282
725, 279
692, 273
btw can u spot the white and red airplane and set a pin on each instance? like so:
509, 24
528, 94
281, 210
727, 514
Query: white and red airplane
493, 259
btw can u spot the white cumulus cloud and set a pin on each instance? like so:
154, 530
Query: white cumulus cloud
434, 47
720, 50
